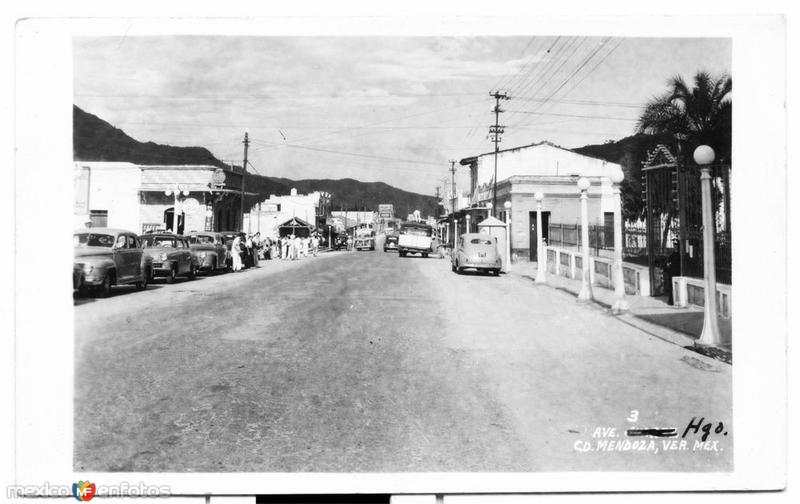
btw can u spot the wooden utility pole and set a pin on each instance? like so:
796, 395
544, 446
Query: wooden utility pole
495, 132
246, 143
453, 186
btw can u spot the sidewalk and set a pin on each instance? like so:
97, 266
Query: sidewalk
681, 326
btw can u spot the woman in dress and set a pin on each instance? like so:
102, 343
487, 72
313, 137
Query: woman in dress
236, 251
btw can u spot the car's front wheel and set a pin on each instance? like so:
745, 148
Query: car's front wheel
105, 288
142, 285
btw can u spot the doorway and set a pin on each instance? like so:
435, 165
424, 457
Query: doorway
168, 216
532, 245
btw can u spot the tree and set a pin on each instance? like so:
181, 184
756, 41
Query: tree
691, 117
696, 116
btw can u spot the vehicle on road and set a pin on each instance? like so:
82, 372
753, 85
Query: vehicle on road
109, 257
171, 256
340, 242
210, 251
476, 251
415, 238
364, 238
390, 242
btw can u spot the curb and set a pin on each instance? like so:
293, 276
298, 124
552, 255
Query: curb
657, 331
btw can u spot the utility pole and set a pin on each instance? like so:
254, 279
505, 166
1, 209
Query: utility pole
246, 143
437, 202
453, 186
494, 134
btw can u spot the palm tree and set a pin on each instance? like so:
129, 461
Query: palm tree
691, 117
700, 115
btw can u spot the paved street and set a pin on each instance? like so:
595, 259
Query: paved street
363, 361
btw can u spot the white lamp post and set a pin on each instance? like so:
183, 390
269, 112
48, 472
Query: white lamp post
541, 254
704, 156
586, 287
176, 191
620, 305
468, 217
507, 206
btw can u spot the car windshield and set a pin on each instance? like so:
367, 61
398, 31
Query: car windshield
159, 241
92, 240
481, 241
201, 239
418, 231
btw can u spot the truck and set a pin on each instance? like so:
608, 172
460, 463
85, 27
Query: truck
415, 238
364, 237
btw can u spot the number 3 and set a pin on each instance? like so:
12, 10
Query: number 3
634, 416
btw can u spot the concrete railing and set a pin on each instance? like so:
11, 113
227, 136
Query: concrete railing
569, 264
691, 291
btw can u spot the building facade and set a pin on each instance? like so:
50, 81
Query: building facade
267, 217
144, 198
524, 171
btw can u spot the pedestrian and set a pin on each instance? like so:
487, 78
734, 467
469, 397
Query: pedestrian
286, 240
296, 245
315, 245
250, 257
304, 246
672, 268
236, 251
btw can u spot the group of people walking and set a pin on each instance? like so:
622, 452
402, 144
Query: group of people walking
246, 252
294, 247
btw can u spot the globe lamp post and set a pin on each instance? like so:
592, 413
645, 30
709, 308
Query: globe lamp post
620, 305
541, 253
585, 293
704, 156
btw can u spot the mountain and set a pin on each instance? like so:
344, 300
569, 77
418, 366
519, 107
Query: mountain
96, 140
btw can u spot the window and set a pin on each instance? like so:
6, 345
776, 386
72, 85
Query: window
131, 241
98, 218
481, 241
92, 240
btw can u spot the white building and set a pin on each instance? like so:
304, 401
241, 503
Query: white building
266, 216
524, 171
132, 196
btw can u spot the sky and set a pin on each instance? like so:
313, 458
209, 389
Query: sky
390, 109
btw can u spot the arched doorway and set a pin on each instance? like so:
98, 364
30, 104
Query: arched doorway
169, 215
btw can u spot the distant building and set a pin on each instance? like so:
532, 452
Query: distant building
267, 217
133, 196
351, 218
524, 171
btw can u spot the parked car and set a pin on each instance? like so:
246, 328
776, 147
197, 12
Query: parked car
209, 250
171, 256
245, 255
390, 242
109, 257
476, 251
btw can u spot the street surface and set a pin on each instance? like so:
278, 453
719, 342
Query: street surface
363, 361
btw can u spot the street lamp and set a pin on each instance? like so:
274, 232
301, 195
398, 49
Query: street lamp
507, 206
704, 156
620, 305
176, 191
586, 286
541, 259
468, 217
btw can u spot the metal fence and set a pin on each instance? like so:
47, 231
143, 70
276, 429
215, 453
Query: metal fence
569, 235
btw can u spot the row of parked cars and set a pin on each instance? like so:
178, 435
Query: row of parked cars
105, 257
